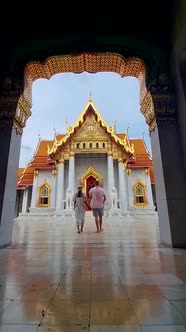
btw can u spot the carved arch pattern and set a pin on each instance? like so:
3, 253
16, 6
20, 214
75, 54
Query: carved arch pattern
91, 171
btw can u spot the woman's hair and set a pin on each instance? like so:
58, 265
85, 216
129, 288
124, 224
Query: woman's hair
79, 191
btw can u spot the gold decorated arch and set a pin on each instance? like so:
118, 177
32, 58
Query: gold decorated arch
91, 171
91, 63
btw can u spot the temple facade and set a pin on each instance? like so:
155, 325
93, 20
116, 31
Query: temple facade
89, 150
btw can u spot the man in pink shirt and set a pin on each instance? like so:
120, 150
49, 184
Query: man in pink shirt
97, 199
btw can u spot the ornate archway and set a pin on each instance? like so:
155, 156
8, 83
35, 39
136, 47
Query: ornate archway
157, 104
91, 63
90, 172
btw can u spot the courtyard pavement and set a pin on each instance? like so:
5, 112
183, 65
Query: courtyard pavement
53, 279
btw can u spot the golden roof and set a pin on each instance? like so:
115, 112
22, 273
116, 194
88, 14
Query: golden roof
120, 139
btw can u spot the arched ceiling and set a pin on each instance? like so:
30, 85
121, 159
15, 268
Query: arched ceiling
85, 62
91, 63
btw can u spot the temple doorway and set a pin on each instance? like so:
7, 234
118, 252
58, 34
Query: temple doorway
90, 183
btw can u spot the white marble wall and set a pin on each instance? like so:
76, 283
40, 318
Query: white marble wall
139, 175
82, 163
99, 162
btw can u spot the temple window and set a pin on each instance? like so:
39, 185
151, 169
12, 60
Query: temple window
90, 145
90, 127
77, 145
84, 146
44, 195
103, 145
139, 190
97, 145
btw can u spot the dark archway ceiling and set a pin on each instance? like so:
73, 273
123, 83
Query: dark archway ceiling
34, 33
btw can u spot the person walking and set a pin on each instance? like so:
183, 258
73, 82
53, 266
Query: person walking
97, 198
80, 200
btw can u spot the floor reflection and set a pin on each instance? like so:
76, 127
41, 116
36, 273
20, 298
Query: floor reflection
120, 280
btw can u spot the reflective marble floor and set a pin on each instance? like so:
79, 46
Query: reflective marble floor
53, 279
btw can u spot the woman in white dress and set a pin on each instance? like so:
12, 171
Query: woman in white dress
80, 201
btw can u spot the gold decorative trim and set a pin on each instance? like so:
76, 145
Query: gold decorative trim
72, 129
91, 171
147, 109
125, 165
36, 172
120, 159
13, 113
147, 171
84, 62
61, 160
129, 171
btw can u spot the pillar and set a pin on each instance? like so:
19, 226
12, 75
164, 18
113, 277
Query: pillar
71, 173
71, 177
170, 181
122, 186
34, 190
25, 200
111, 184
149, 188
60, 185
13, 115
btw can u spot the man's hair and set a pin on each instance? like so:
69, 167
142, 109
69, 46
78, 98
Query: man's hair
97, 182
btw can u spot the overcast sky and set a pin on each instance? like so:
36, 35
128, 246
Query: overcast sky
63, 98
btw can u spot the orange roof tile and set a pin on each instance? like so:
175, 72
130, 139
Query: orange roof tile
20, 172
121, 135
139, 145
59, 136
142, 157
40, 158
43, 148
26, 178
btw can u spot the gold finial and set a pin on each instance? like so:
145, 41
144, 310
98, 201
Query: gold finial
67, 125
128, 130
90, 96
114, 127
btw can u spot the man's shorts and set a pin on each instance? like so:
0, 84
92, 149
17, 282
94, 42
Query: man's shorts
97, 212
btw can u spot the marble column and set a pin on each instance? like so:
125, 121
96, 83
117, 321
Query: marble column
149, 189
71, 177
34, 190
122, 186
71, 173
130, 192
111, 184
60, 186
53, 189
25, 201
110, 172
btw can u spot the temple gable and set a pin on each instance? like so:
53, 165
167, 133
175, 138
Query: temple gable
90, 130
